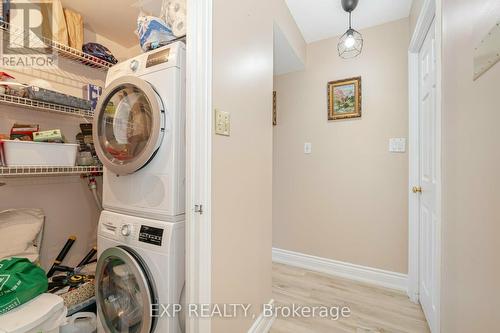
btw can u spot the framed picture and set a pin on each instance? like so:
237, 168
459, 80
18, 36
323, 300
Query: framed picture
275, 119
344, 99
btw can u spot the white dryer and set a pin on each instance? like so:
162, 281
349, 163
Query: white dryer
140, 268
139, 134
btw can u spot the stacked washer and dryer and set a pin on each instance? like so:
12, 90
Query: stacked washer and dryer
139, 135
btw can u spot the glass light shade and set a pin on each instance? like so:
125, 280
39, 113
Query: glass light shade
350, 44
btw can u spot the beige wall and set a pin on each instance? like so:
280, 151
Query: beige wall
416, 7
119, 51
284, 19
471, 160
347, 200
242, 163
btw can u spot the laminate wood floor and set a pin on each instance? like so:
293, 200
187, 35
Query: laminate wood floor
373, 309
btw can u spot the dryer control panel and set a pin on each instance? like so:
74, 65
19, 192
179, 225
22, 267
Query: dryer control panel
169, 56
157, 58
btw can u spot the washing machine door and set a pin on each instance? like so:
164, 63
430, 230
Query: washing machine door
129, 123
125, 292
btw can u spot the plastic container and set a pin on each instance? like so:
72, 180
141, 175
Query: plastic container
81, 322
45, 313
28, 153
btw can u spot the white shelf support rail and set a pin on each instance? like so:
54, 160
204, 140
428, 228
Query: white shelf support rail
17, 36
22, 171
45, 106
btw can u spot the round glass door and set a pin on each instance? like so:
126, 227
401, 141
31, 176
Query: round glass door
124, 293
128, 125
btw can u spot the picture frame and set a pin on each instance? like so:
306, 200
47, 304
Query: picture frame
344, 98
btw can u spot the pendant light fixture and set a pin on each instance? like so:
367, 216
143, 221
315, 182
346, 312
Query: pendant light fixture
351, 42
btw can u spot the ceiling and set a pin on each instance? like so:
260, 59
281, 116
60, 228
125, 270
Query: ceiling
113, 19
321, 19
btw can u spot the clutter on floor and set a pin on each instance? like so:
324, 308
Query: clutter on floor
45, 313
20, 282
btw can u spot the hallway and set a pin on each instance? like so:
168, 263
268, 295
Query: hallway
373, 309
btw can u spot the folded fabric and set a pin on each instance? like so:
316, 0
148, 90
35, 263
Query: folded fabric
20, 233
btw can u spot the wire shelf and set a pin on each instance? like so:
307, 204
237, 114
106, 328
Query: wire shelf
22, 171
45, 106
18, 37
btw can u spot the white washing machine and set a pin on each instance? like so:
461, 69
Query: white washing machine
140, 268
139, 134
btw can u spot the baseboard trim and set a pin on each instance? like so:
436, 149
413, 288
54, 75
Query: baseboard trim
370, 275
262, 324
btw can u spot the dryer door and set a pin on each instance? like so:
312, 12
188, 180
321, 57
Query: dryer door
125, 292
129, 123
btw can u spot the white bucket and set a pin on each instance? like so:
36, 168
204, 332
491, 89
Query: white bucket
81, 322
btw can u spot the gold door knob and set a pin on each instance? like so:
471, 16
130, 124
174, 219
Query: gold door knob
416, 189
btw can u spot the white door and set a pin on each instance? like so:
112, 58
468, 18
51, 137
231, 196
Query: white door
428, 213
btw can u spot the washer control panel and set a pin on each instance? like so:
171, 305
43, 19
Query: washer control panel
126, 229
151, 235
140, 232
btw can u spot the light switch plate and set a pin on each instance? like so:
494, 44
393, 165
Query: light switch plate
307, 148
222, 123
397, 145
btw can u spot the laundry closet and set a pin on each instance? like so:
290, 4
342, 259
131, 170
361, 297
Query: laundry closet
92, 142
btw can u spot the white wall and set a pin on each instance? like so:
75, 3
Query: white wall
416, 7
348, 199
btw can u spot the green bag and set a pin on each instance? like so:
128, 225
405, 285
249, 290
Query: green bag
20, 281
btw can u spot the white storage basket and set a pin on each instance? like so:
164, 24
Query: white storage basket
28, 153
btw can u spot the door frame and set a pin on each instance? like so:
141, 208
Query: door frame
198, 160
431, 12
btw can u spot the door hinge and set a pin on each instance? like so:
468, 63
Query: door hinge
198, 209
